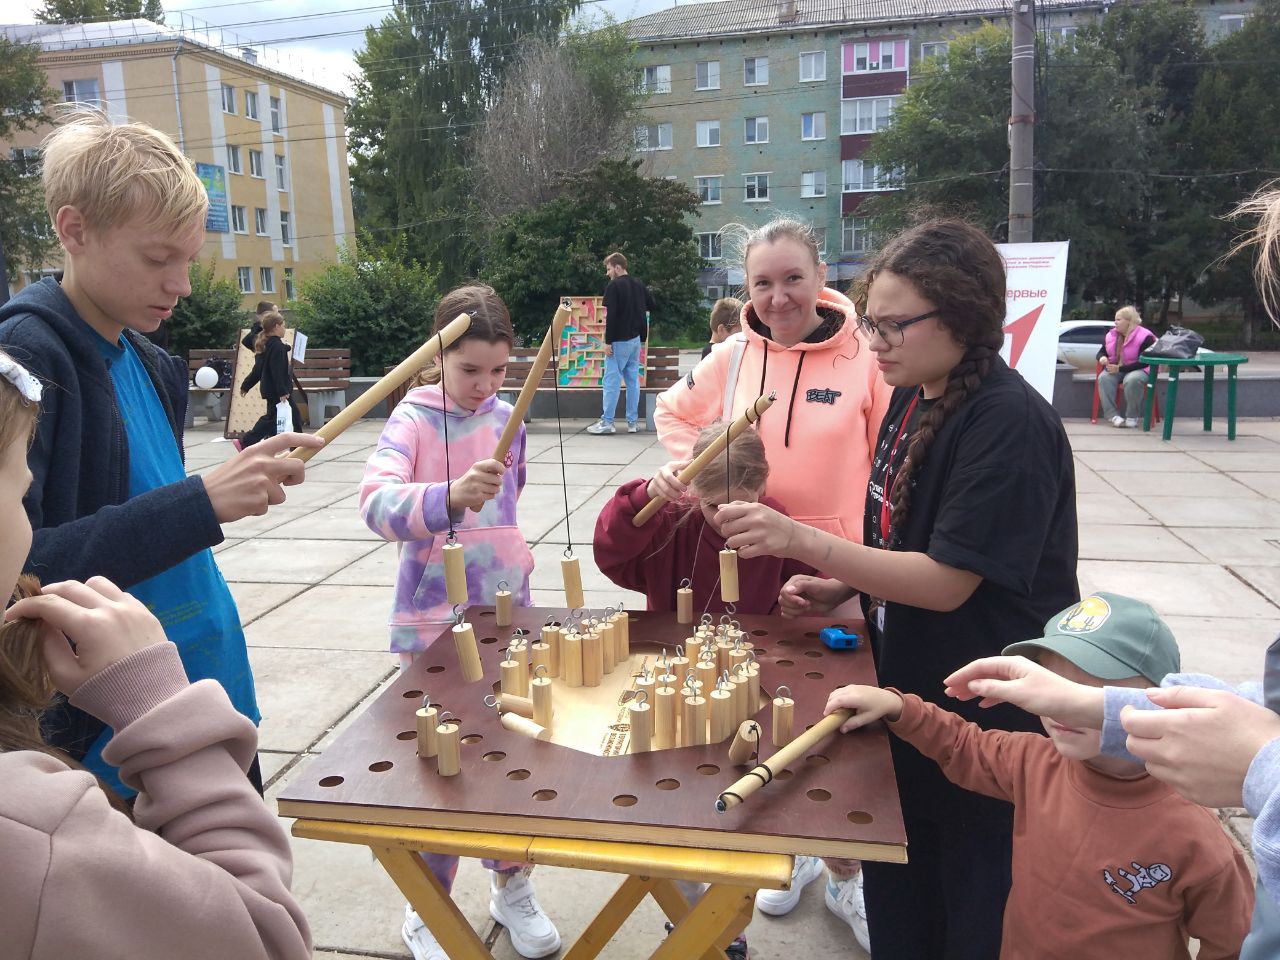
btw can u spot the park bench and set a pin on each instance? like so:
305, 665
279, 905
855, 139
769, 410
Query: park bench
324, 376
214, 398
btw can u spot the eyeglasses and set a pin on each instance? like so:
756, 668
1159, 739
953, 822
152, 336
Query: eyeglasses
891, 330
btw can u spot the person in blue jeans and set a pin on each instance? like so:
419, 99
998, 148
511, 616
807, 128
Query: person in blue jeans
627, 303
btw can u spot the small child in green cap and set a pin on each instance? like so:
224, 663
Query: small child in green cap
1107, 860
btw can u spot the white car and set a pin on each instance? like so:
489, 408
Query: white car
1080, 340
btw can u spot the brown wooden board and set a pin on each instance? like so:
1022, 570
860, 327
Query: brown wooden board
841, 801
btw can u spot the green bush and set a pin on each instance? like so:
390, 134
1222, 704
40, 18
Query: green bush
210, 317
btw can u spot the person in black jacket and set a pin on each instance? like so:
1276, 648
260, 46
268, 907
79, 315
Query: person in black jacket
250, 340
272, 376
627, 303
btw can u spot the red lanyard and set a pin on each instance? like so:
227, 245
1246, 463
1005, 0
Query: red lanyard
885, 528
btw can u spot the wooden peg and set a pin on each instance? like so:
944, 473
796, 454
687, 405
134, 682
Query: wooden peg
753, 688
641, 719
622, 624
464, 640
551, 637
514, 677
693, 729
502, 608
542, 708
608, 645
664, 721
449, 742
738, 655
571, 658
784, 711
721, 714
592, 659
706, 673
455, 574
572, 582
729, 576
768, 770
694, 646
540, 656
510, 703
648, 684
724, 654
745, 742
684, 605
678, 666
738, 698
523, 725
428, 745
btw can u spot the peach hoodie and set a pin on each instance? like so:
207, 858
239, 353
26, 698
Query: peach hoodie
822, 427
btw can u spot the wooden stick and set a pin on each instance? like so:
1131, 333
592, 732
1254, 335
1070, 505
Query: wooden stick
749, 416
510, 703
550, 343
762, 773
362, 404
518, 724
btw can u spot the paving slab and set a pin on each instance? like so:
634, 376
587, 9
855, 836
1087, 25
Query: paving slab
290, 561
1231, 649
254, 526
1149, 461
1242, 461
1111, 508
1185, 589
327, 617
1231, 546
316, 493
376, 569
255, 599
340, 521
1141, 544
338, 471
1143, 486
1202, 512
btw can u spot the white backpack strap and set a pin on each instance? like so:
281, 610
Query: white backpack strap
731, 377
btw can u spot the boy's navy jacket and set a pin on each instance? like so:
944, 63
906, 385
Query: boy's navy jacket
85, 523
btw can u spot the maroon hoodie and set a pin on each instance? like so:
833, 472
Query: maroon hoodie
651, 560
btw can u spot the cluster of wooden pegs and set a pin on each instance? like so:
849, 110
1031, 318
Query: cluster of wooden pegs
439, 736
592, 647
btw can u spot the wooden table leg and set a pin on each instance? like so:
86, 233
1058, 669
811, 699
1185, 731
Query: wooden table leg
698, 932
1231, 401
1153, 376
1170, 403
433, 903
744, 917
607, 922
1208, 397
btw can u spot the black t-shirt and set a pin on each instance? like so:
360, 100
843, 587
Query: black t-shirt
626, 301
996, 495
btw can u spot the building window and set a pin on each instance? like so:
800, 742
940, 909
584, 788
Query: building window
813, 66
244, 275
755, 71
267, 279
653, 136
656, 79
859, 177
26, 160
282, 179
813, 183
260, 221
233, 159
275, 114
757, 130
813, 126
867, 115
820, 238
255, 164
875, 57
709, 189
80, 91
709, 246
933, 51
856, 234
1063, 36
228, 98
756, 187
1227, 23
251, 105
713, 291
708, 133
288, 284
707, 75
239, 224
286, 234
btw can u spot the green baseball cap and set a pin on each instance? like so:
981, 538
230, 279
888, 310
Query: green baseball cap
1110, 637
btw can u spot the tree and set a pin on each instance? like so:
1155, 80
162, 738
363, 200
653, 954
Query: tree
564, 106
25, 231
89, 11
210, 317
375, 300
535, 256
429, 72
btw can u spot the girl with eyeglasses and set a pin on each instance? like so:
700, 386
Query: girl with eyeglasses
970, 545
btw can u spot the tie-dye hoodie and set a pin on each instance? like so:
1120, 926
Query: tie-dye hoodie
402, 498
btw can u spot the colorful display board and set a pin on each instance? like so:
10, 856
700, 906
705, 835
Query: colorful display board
582, 345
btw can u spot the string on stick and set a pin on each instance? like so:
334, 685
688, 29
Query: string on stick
763, 773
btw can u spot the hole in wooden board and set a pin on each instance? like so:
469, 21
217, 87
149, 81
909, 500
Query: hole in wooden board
517, 774
487, 613
811, 635
759, 633
786, 663
624, 800
817, 759
488, 639
668, 784
785, 643
818, 794
407, 735
859, 816
783, 775
813, 653
814, 675
435, 669
544, 795
708, 769
331, 781
411, 694
382, 766
472, 738
493, 756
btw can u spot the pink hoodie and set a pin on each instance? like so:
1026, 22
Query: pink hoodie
821, 429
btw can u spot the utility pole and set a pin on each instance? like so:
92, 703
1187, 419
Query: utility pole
1022, 119
4, 276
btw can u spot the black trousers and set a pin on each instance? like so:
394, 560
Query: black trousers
266, 425
947, 903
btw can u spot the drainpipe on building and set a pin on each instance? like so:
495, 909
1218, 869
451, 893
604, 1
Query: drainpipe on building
177, 99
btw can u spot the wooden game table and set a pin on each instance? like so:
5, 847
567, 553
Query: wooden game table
650, 817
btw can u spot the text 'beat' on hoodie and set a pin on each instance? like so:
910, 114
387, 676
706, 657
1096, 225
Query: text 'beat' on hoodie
822, 428
403, 498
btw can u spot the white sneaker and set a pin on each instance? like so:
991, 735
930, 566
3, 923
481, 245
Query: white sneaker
600, 427
419, 939
632, 427
778, 903
1117, 421
1130, 421
845, 899
515, 907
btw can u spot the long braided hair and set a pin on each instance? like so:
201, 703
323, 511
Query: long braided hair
955, 267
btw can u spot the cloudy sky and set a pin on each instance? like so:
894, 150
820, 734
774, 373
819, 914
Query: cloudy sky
317, 35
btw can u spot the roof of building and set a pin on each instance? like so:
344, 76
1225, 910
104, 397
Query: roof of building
65, 37
738, 17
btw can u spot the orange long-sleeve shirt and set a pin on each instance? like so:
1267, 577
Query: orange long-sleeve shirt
1102, 867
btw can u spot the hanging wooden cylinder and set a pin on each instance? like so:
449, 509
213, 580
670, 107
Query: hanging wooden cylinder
455, 574
551, 637
684, 605
784, 710
745, 742
543, 711
622, 624
592, 659
449, 743
428, 746
729, 576
664, 720
571, 658
608, 646
510, 703
640, 717
464, 640
721, 714
523, 725
502, 604
572, 574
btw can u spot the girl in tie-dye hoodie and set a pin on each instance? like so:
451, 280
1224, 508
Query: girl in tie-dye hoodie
416, 488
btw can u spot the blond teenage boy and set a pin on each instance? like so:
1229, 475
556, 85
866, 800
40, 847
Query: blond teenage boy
109, 495
726, 320
1107, 860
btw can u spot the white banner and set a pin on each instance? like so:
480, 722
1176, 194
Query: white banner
1035, 285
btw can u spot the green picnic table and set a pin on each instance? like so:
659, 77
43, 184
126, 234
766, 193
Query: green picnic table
1208, 359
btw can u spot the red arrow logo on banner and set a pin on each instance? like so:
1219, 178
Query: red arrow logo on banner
1020, 331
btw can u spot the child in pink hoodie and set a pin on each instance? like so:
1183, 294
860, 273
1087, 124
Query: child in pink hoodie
433, 475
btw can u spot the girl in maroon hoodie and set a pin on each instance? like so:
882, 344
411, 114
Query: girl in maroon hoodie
683, 541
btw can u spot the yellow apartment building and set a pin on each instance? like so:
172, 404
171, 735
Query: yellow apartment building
271, 147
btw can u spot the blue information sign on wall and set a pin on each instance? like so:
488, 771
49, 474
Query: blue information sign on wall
214, 179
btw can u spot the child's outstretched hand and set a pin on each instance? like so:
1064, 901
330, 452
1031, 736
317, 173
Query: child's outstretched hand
666, 484
478, 485
105, 624
806, 596
1026, 684
868, 704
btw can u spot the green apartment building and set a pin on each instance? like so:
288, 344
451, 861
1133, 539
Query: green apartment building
764, 107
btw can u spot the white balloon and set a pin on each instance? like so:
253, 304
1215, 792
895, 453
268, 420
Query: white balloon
206, 378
